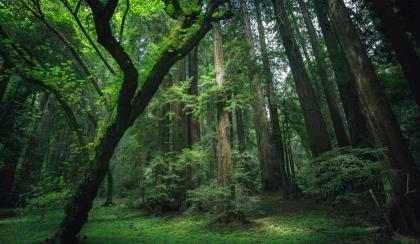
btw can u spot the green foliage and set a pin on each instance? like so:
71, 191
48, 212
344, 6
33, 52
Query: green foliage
163, 185
49, 193
225, 205
343, 175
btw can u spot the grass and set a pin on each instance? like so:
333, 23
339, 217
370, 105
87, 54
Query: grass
275, 221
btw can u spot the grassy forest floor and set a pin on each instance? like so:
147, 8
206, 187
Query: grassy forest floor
274, 221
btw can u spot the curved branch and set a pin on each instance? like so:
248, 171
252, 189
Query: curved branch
85, 33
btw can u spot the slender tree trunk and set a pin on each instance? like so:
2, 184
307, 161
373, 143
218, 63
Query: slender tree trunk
317, 131
276, 133
164, 121
371, 93
180, 130
270, 169
240, 130
193, 124
327, 85
110, 187
356, 120
404, 49
224, 153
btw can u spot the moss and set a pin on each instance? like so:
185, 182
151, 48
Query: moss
117, 224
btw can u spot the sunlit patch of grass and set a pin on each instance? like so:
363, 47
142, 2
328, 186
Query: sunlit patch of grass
119, 225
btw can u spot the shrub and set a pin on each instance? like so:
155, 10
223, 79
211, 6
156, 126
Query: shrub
163, 185
343, 175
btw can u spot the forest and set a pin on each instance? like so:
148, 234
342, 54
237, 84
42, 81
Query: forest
209, 121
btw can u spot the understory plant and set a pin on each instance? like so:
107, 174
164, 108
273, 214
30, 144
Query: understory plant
343, 175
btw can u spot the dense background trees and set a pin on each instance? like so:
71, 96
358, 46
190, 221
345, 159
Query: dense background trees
201, 105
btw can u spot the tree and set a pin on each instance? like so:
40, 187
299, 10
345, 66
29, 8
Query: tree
270, 164
372, 95
190, 27
327, 84
356, 120
223, 152
404, 49
317, 131
276, 133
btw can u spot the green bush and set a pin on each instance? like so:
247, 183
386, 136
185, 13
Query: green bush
163, 184
49, 193
225, 205
343, 175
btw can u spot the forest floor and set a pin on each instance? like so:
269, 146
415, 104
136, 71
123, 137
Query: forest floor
275, 221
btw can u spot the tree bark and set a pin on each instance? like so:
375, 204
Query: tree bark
270, 169
371, 93
406, 54
356, 120
224, 148
317, 131
240, 130
193, 124
327, 85
180, 130
276, 133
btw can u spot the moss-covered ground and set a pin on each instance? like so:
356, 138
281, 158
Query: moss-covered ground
274, 221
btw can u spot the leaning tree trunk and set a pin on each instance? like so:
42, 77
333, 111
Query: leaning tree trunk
327, 85
404, 49
356, 120
383, 120
224, 148
277, 137
317, 131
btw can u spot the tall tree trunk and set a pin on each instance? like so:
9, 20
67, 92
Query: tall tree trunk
356, 120
109, 187
224, 149
164, 120
276, 133
371, 93
317, 131
327, 85
193, 124
270, 169
240, 130
180, 130
404, 49
11, 146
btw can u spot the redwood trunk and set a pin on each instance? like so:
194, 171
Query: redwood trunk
277, 137
404, 49
224, 153
327, 85
371, 92
270, 169
317, 131
356, 120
